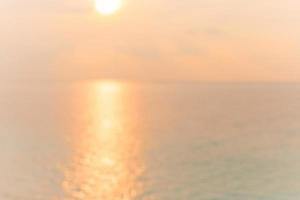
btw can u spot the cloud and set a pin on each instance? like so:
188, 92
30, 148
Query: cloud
147, 53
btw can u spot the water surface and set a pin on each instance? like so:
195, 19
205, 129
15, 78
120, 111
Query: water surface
141, 141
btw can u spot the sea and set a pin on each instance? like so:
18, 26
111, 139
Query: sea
118, 140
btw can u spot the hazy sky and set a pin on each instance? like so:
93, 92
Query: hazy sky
151, 39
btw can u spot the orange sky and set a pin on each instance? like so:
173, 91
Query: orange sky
151, 39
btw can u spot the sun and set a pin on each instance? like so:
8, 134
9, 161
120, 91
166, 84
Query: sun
108, 7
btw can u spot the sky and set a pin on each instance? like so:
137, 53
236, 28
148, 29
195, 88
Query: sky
214, 40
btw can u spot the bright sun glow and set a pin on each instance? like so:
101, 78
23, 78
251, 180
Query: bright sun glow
107, 7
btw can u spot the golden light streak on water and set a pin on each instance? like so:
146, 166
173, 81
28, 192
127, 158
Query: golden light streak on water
106, 161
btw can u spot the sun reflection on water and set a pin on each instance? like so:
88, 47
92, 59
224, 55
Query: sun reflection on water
106, 160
